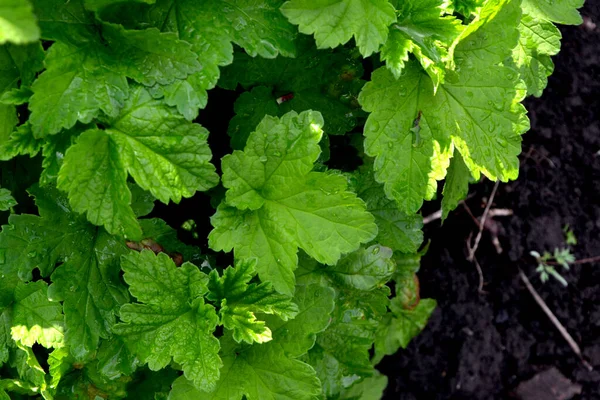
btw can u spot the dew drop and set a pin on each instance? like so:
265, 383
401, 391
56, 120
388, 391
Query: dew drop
277, 154
31, 254
375, 250
263, 159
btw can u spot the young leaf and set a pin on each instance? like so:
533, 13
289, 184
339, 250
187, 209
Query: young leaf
17, 64
17, 22
456, 186
423, 29
275, 204
166, 155
401, 326
240, 301
6, 200
171, 320
336, 22
467, 7
538, 40
270, 370
21, 142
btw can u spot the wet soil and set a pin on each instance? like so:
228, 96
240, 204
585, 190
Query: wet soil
483, 345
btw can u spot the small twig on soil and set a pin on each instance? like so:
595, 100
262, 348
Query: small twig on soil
500, 212
432, 217
480, 272
468, 210
563, 331
582, 261
482, 222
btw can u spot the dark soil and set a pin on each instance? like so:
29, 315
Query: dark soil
481, 346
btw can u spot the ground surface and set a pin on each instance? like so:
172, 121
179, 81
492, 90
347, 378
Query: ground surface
481, 346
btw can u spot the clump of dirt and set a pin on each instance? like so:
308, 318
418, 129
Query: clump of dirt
482, 346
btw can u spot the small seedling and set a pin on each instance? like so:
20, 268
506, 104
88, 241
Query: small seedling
570, 237
562, 257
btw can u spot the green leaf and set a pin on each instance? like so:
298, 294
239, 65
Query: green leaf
397, 230
82, 79
275, 204
165, 154
335, 22
6, 200
365, 269
250, 108
240, 301
115, 359
17, 64
68, 22
150, 385
36, 319
30, 372
296, 336
150, 56
410, 156
27, 316
412, 132
257, 372
311, 68
341, 353
456, 186
258, 27
321, 80
401, 326
17, 22
78, 83
54, 150
270, 370
16, 97
538, 40
87, 282
559, 11
142, 202
20, 142
96, 180
370, 388
86, 380
171, 320
423, 29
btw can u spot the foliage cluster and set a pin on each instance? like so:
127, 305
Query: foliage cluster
99, 118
